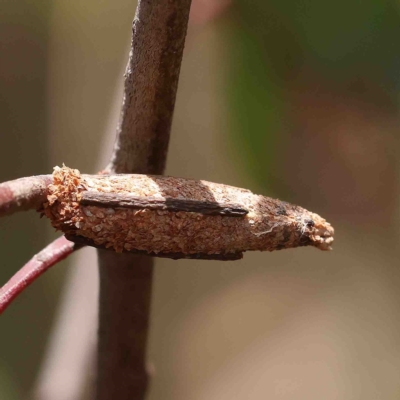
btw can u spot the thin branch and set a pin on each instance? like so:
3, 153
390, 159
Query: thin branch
39, 264
151, 79
125, 296
23, 194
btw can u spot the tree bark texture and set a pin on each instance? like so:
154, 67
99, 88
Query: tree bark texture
125, 294
151, 80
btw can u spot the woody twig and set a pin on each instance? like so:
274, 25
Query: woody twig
158, 216
39, 264
151, 80
23, 194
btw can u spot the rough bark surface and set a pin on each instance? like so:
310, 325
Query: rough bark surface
151, 80
125, 294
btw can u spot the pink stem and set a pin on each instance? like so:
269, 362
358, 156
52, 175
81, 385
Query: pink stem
40, 263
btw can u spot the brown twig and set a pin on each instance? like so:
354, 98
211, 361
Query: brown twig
125, 294
23, 194
40, 263
151, 80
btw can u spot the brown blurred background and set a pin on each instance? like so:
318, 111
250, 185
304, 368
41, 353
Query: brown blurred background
296, 100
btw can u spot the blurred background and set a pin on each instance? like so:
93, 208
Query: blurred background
296, 100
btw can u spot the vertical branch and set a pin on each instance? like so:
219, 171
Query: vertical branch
125, 293
151, 80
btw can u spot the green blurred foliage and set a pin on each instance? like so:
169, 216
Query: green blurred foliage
257, 103
346, 37
273, 42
